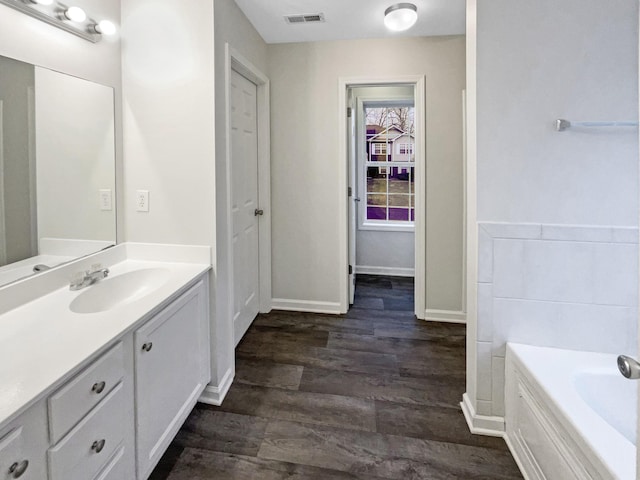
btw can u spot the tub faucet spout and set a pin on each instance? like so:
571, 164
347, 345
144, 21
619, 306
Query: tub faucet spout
629, 367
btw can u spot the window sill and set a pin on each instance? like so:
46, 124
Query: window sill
387, 227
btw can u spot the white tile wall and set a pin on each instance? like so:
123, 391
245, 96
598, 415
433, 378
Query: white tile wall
497, 386
485, 312
484, 371
564, 286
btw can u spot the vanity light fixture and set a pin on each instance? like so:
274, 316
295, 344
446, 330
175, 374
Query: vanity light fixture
75, 14
71, 19
400, 17
105, 27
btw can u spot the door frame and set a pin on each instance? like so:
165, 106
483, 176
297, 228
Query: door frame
418, 82
238, 63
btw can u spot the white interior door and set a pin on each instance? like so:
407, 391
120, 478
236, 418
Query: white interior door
244, 203
3, 236
353, 195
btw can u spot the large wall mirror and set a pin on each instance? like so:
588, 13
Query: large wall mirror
57, 168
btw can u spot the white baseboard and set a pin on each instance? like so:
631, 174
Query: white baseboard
450, 316
214, 395
481, 424
391, 271
305, 306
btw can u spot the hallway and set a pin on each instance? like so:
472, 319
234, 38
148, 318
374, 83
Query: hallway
372, 394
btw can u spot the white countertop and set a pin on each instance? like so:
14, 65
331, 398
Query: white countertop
42, 341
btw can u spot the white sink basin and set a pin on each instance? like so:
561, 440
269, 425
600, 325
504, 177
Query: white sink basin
119, 290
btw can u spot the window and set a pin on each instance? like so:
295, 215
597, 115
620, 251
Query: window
405, 148
389, 178
378, 149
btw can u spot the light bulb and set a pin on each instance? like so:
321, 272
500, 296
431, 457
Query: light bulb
400, 16
105, 27
75, 14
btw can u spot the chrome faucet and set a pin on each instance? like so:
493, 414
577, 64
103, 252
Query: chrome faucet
629, 367
88, 277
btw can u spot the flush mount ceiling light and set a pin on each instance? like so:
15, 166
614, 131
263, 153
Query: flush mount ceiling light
70, 19
400, 17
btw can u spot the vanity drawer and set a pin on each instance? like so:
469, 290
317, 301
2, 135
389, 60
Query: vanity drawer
91, 443
115, 470
73, 401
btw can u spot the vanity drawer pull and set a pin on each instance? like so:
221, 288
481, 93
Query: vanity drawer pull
147, 346
18, 468
98, 387
98, 445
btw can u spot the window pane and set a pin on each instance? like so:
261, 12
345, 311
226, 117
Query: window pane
377, 200
413, 215
413, 200
399, 201
401, 214
376, 213
398, 183
377, 185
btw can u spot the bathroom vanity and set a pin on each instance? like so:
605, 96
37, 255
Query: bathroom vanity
95, 383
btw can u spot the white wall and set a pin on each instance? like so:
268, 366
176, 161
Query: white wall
305, 160
75, 154
557, 211
385, 252
539, 61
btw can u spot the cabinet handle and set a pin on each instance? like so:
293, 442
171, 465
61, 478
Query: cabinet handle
18, 468
147, 346
98, 387
98, 445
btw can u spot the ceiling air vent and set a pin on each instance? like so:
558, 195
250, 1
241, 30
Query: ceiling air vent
305, 18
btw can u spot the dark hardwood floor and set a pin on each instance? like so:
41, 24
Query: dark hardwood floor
373, 394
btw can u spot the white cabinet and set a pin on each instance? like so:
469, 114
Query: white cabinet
171, 371
151, 377
23, 446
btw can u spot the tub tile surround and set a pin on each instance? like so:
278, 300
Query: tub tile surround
563, 286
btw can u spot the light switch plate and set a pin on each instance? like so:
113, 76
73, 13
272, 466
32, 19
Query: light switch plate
142, 200
106, 199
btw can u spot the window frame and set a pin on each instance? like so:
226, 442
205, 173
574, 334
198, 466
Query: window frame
362, 159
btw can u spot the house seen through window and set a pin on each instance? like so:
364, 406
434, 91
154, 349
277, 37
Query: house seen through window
389, 165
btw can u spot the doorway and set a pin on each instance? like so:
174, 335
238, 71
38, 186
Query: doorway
384, 159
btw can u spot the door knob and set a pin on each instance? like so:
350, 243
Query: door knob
258, 211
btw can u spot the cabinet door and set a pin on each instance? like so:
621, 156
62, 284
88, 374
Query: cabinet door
171, 371
23, 446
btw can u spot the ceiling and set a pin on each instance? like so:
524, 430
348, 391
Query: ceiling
349, 19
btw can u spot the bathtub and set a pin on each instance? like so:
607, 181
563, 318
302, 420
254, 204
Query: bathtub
569, 414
